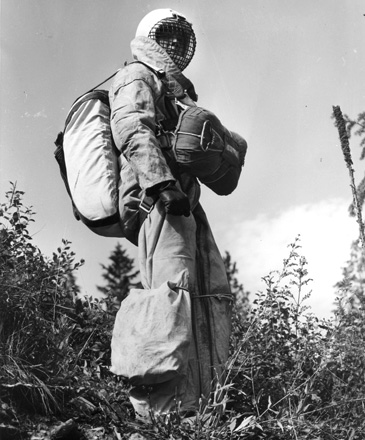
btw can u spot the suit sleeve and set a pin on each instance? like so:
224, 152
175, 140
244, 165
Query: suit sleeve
133, 98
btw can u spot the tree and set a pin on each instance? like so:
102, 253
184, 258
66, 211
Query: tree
357, 127
119, 275
237, 289
352, 287
241, 306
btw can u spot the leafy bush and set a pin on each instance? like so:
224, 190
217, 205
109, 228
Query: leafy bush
35, 296
294, 376
47, 336
290, 375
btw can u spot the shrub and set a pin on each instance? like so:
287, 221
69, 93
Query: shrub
294, 376
44, 338
290, 375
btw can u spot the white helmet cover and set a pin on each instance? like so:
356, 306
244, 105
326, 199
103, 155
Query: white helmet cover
172, 32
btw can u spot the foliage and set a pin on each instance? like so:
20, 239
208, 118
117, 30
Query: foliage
241, 305
46, 341
237, 289
352, 286
357, 127
35, 295
293, 376
280, 352
119, 275
290, 375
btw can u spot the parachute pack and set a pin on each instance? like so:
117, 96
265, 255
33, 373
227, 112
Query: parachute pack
94, 171
88, 161
204, 148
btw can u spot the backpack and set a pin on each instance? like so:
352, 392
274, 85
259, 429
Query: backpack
104, 193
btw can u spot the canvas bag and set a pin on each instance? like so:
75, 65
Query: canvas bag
204, 148
88, 161
152, 333
104, 192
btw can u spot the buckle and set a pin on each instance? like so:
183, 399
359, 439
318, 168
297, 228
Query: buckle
164, 140
146, 206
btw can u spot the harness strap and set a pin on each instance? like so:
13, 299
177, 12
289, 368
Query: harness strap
145, 207
105, 80
220, 296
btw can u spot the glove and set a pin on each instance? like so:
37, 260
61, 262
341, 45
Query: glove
175, 201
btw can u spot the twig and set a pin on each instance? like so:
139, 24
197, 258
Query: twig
336, 404
345, 145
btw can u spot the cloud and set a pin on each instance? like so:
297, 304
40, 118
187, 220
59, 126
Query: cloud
40, 114
326, 231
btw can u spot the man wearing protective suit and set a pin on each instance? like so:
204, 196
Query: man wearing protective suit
175, 237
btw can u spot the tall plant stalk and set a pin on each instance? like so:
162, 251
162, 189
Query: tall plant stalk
345, 146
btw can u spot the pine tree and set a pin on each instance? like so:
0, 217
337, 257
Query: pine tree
241, 306
118, 275
357, 127
237, 289
352, 286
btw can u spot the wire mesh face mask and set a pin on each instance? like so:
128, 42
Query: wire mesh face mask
176, 36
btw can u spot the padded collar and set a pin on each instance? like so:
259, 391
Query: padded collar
146, 50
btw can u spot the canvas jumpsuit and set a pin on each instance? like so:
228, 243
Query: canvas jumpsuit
168, 244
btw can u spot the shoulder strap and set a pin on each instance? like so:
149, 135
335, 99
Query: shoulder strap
160, 73
105, 80
102, 95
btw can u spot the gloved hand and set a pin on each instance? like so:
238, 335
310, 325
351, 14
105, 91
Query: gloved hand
175, 201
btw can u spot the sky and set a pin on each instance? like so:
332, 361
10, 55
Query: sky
271, 70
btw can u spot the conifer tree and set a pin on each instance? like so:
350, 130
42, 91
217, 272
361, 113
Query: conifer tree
357, 127
118, 275
352, 286
237, 289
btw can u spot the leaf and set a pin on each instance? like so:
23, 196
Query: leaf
352, 435
248, 422
232, 425
269, 403
280, 425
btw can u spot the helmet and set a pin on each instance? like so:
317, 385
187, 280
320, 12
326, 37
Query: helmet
172, 32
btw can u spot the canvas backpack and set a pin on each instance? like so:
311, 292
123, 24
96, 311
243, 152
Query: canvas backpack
94, 171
